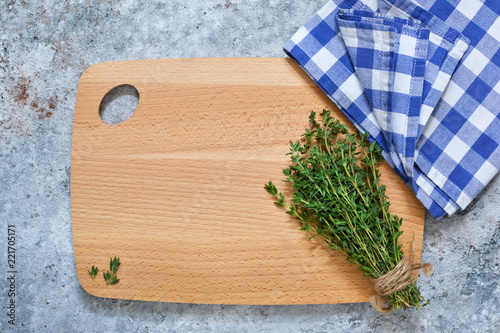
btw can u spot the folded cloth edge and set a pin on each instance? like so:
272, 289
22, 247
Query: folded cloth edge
425, 193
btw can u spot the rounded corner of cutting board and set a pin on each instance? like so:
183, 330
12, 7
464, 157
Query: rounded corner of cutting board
228, 257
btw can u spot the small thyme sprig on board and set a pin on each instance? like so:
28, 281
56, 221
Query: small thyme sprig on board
93, 271
337, 196
110, 276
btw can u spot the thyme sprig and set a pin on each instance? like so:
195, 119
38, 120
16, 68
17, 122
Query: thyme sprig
338, 196
93, 271
110, 276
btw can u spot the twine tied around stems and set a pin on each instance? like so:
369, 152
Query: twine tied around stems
397, 279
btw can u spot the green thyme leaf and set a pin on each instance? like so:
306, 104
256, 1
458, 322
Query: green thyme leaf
114, 280
114, 264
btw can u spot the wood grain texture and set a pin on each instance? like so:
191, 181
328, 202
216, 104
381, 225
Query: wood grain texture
176, 191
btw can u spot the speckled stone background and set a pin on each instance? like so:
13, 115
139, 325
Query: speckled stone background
45, 47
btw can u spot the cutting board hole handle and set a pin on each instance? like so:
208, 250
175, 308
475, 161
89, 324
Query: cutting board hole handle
119, 104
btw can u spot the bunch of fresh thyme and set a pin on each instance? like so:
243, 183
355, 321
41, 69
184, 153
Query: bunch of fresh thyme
337, 196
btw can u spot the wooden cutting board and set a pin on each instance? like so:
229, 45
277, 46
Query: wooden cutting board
176, 191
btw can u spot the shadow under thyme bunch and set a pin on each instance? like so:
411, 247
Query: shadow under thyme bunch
337, 196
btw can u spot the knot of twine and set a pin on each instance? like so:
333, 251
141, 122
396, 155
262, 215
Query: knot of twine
397, 279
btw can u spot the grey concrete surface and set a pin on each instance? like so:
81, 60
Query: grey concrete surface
46, 45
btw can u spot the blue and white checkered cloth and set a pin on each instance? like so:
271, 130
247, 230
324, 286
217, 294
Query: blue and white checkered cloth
423, 80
